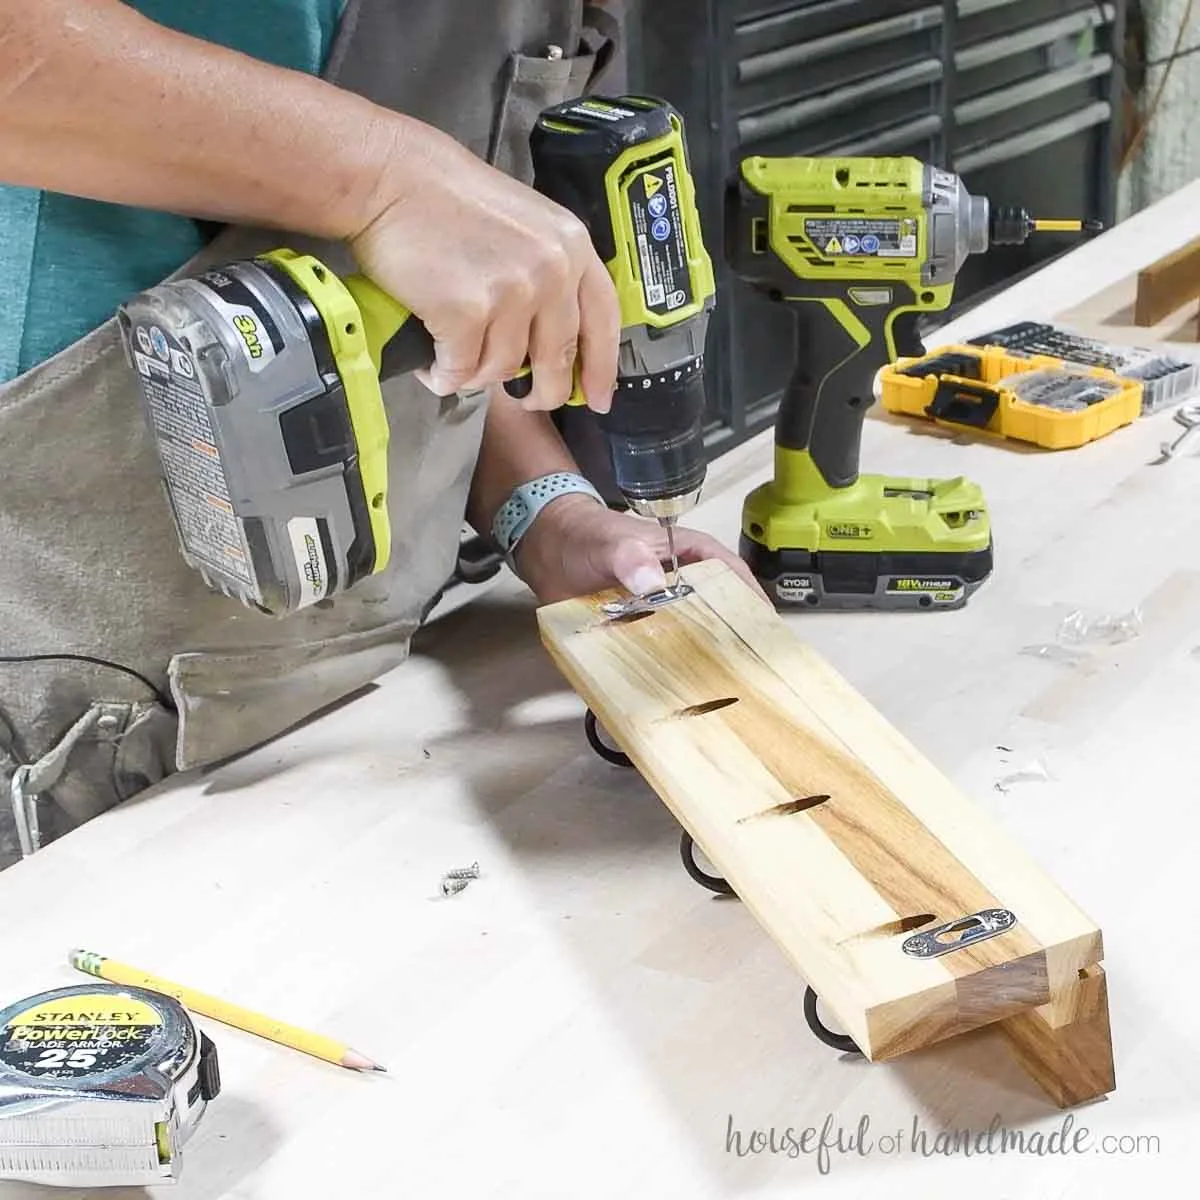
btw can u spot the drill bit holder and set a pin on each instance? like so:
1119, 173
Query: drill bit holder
905, 908
1007, 395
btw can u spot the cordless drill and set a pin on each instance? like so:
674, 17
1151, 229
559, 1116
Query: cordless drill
261, 378
862, 247
622, 167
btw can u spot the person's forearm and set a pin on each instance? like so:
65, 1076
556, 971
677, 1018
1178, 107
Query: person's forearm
517, 446
97, 101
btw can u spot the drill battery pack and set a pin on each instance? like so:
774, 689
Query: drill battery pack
1035, 399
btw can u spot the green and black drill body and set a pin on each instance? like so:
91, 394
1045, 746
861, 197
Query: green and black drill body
862, 247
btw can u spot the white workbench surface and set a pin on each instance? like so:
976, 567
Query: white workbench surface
584, 1021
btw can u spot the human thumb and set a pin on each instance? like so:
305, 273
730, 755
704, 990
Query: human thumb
637, 568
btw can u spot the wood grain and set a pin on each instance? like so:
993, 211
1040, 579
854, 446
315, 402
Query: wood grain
833, 830
1167, 285
1067, 1046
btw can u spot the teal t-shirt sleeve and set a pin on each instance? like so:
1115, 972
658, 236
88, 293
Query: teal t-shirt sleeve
286, 33
87, 259
66, 264
20, 212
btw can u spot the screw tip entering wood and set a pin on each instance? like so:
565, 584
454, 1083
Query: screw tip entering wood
674, 554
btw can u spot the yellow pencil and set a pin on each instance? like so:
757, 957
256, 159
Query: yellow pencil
228, 1014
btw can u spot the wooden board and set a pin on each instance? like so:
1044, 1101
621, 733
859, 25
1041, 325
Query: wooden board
1167, 285
1067, 1045
1110, 316
832, 828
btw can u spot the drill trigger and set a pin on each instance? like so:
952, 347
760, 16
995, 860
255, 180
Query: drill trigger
906, 335
521, 385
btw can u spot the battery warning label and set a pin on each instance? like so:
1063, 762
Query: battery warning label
657, 223
858, 237
196, 483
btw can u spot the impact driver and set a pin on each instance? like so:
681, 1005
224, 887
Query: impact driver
862, 247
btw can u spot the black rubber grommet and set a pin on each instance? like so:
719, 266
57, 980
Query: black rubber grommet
477, 562
839, 1041
606, 752
714, 883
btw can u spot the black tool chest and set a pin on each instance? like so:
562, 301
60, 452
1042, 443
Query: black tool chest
1017, 96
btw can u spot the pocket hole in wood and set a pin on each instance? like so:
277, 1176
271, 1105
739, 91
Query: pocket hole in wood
904, 925
629, 618
787, 809
709, 706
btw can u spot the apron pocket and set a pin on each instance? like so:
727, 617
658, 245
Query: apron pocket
231, 703
532, 84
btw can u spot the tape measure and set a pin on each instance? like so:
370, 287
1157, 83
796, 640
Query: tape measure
100, 1086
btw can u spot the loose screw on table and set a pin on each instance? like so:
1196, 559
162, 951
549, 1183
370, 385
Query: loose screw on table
1189, 417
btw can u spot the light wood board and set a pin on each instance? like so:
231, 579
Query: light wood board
838, 883
1111, 315
1165, 286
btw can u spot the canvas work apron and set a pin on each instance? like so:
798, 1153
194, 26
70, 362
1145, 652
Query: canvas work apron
91, 562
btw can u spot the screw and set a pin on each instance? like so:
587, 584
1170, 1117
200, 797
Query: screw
451, 887
1189, 417
107, 723
471, 872
1171, 449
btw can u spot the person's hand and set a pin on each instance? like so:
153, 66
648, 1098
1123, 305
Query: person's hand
576, 547
497, 273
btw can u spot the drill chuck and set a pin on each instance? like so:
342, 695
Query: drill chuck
655, 433
1013, 226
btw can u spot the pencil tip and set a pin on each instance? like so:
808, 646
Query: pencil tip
360, 1062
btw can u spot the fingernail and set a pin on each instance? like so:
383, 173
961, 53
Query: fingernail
647, 579
601, 402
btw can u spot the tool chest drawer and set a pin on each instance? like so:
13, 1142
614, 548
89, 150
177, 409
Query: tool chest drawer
1016, 96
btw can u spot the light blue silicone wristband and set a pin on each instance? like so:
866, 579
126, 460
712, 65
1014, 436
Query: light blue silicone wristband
520, 510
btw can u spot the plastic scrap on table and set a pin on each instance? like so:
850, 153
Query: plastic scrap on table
1078, 629
1032, 772
1058, 654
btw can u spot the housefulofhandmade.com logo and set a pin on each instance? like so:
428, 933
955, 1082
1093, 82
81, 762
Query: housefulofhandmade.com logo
832, 1140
